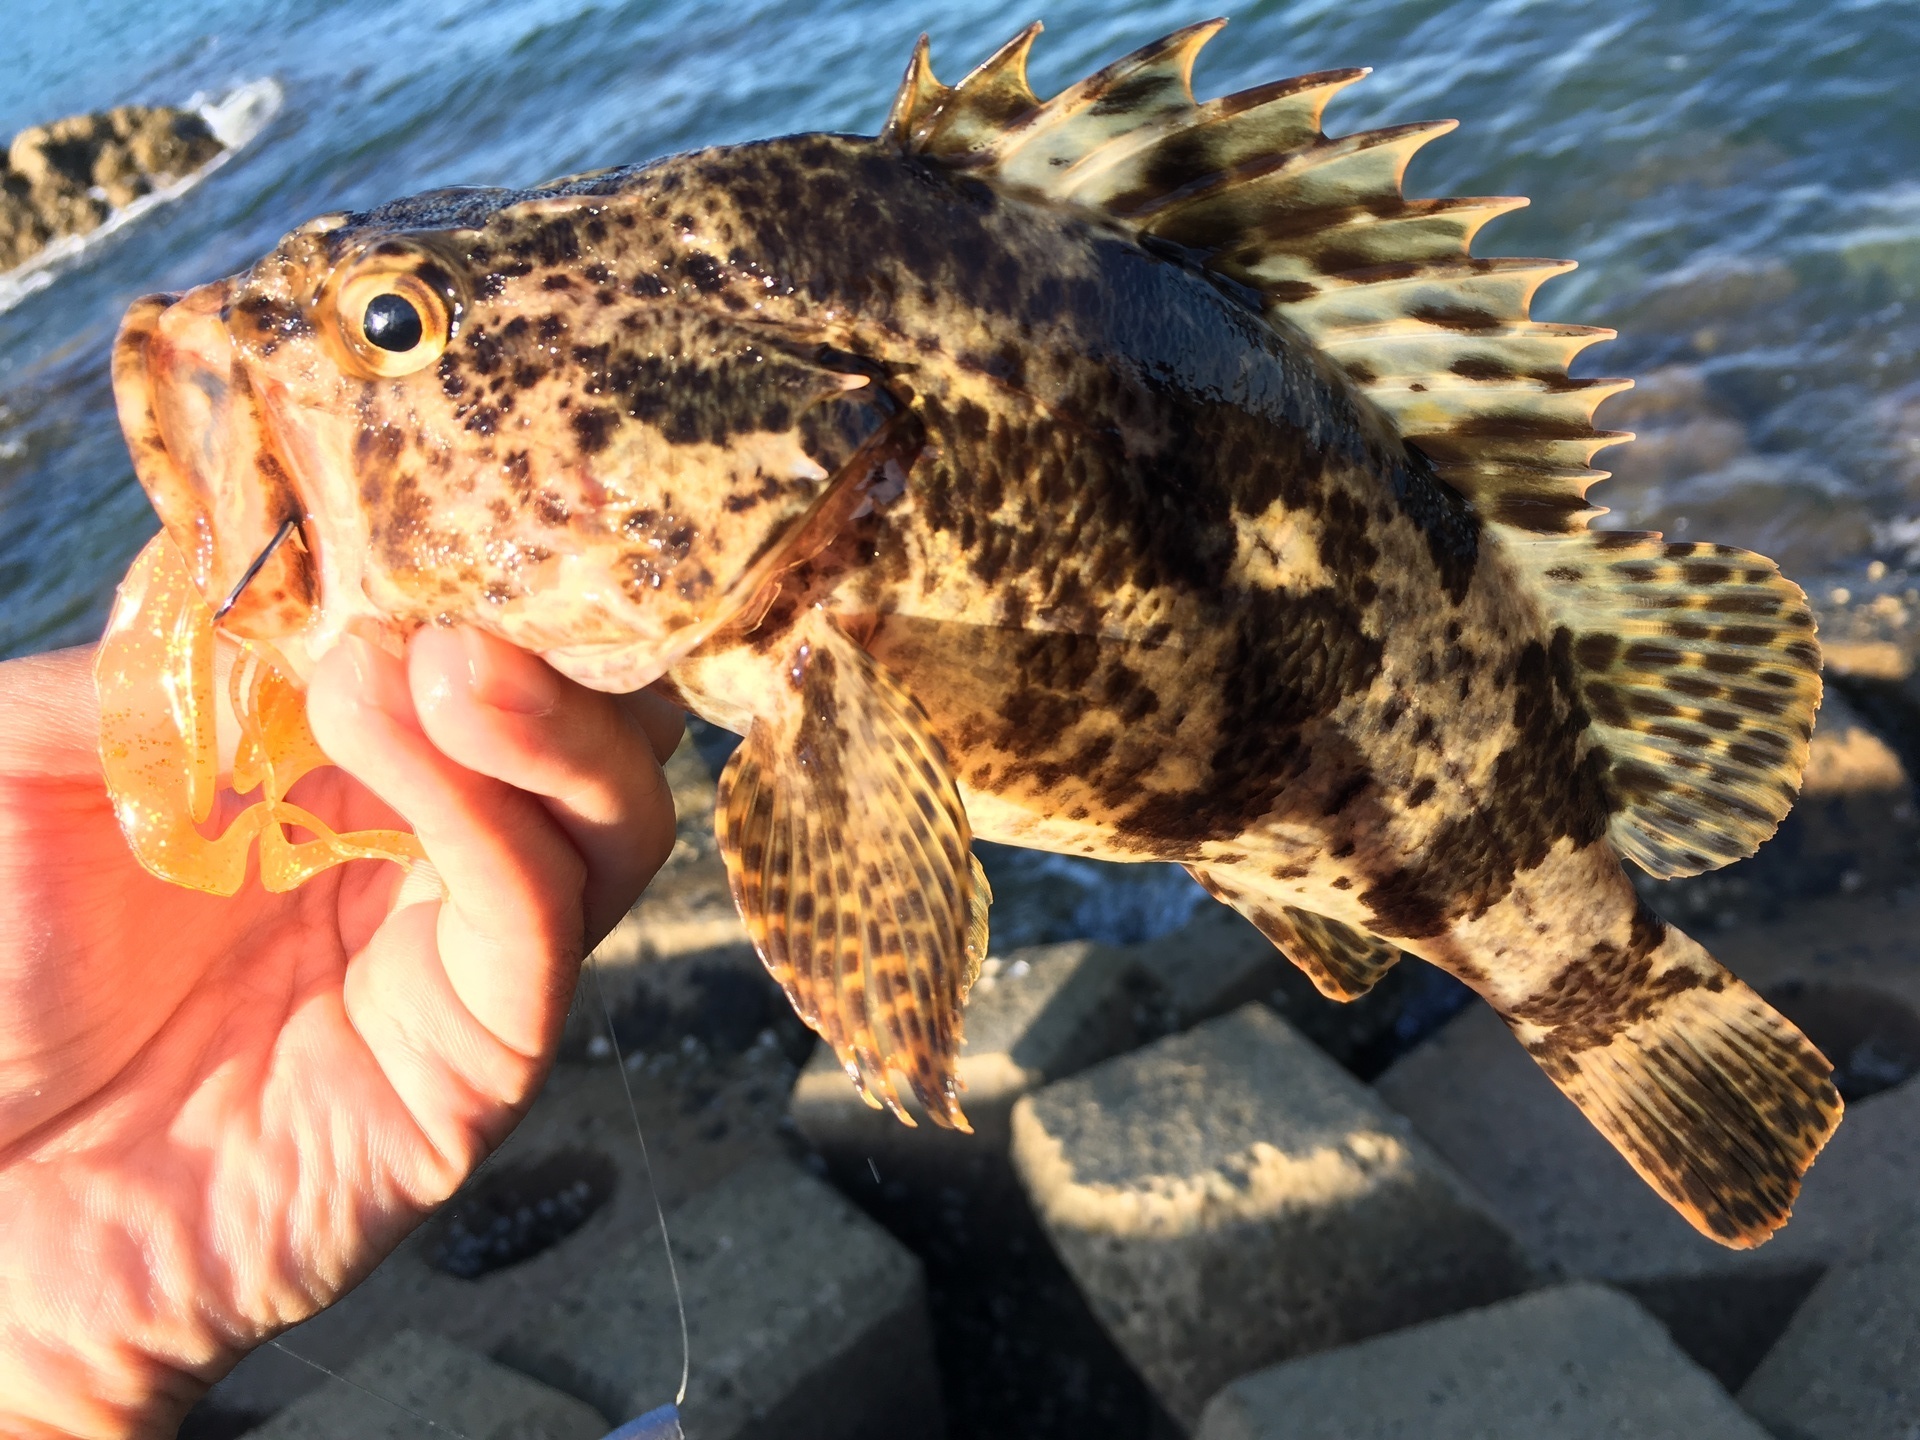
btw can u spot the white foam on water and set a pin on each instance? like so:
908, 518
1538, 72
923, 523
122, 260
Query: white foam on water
235, 120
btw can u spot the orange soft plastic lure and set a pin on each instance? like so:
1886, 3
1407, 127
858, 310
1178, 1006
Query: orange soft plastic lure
158, 746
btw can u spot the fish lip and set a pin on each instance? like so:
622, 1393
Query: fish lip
185, 518
204, 456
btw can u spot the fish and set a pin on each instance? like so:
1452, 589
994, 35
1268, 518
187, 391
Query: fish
1121, 474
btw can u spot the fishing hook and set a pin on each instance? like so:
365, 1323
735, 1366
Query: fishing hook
287, 527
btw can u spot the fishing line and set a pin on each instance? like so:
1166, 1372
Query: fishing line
673, 1271
660, 1424
383, 1399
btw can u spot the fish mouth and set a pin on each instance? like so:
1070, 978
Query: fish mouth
201, 451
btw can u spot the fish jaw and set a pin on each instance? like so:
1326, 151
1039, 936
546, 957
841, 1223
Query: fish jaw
201, 451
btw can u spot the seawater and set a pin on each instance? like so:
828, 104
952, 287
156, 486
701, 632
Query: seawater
1737, 178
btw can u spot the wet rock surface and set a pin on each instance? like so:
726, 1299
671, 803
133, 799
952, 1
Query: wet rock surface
517, 1210
65, 178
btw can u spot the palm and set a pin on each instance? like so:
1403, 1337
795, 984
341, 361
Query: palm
217, 1114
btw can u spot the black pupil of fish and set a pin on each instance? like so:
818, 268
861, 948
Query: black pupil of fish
392, 323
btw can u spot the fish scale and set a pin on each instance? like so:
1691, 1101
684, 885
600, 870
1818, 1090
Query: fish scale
1122, 474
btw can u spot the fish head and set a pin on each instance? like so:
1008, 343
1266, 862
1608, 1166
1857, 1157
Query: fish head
521, 410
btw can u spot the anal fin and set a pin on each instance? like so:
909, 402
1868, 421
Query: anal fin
1343, 962
849, 856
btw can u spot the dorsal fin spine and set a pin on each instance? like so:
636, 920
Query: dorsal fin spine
918, 94
958, 122
1173, 57
1005, 71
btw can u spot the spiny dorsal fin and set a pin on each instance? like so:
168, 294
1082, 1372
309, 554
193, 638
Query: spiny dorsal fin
929, 118
1698, 668
1387, 287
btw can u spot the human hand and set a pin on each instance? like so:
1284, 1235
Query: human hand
217, 1115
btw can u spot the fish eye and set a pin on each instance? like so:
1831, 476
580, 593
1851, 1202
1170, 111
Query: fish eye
392, 319
392, 323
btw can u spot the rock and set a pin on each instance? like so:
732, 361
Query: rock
1215, 963
807, 1321
433, 1378
67, 211
66, 177
22, 232
1577, 1362
1871, 660
705, 1117
1848, 1367
1230, 1197
169, 143
1849, 970
58, 155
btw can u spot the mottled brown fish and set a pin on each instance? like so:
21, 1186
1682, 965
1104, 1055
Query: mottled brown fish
1115, 474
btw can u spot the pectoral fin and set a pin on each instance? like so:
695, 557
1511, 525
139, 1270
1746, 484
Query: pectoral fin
849, 855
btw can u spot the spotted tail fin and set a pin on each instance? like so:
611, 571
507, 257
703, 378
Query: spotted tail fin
1714, 1097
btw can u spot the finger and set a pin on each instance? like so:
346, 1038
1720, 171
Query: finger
664, 721
510, 934
50, 715
589, 756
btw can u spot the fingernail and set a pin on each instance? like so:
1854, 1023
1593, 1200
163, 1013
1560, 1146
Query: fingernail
382, 680
509, 679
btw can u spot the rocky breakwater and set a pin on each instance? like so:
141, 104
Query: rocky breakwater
66, 178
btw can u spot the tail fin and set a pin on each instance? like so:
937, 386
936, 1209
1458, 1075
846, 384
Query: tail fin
1715, 1098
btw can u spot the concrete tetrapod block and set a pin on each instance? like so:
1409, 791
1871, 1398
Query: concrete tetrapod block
1214, 963
1229, 1197
1035, 1015
1476, 1096
1577, 1362
416, 1377
1848, 1367
807, 1321
1217, 962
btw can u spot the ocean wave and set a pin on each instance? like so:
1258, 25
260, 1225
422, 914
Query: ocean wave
235, 120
